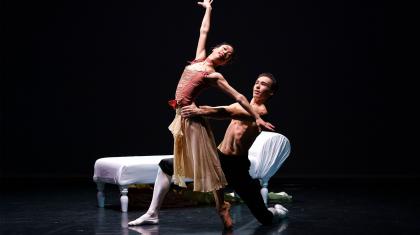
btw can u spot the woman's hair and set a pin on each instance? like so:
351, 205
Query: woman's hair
223, 43
274, 86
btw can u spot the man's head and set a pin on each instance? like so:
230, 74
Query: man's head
265, 86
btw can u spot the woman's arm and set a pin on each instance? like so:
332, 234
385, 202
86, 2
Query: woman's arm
219, 81
204, 29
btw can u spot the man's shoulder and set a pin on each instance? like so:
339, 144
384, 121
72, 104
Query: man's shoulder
266, 116
261, 110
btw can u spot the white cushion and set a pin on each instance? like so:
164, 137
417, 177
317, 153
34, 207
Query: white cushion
127, 170
267, 154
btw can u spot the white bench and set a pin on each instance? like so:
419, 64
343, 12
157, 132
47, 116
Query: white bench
267, 154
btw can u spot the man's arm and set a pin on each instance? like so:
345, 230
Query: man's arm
233, 111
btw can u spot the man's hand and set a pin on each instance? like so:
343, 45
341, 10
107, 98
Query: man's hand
205, 3
264, 125
190, 111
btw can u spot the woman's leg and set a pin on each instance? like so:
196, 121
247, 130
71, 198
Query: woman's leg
223, 208
161, 188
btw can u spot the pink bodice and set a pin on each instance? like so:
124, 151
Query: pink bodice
190, 85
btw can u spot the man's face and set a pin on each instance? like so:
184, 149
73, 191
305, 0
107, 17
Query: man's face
262, 88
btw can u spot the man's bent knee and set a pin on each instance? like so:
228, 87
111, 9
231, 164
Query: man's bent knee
167, 166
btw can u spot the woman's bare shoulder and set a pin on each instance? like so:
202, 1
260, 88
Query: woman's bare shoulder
215, 74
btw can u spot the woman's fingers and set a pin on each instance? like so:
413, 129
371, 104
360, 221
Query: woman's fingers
269, 126
205, 3
266, 126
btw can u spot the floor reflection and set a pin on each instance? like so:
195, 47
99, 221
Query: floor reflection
313, 211
279, 228
146, 229
252, 228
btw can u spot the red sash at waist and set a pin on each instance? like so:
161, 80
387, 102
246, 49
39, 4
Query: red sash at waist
173, 104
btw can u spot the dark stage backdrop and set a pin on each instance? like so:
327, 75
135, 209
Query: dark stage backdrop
88, 79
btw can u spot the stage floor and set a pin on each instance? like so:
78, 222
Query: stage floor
327, 208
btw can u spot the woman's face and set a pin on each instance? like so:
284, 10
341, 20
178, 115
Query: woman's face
223, 53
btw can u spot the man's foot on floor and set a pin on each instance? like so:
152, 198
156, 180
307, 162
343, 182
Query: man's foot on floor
279, 212
281, 208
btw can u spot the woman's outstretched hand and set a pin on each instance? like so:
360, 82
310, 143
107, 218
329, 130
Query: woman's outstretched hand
263, 125
205, 3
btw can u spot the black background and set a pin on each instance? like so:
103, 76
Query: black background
88, 79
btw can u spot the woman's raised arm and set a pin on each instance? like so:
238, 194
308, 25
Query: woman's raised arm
204, 29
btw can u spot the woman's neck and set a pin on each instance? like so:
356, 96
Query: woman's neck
208, 62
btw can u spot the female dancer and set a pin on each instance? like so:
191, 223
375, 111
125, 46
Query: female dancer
195, 152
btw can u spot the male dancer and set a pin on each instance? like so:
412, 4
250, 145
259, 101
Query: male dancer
233, 154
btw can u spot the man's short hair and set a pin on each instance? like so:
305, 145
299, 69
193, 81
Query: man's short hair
274, 85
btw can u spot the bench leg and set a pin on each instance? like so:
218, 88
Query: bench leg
264, 192
100, 196
124, 198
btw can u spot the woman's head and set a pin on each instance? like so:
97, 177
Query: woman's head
221, 54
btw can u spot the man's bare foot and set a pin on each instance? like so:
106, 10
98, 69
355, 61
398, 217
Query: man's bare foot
147, 218
283, 211
279, 212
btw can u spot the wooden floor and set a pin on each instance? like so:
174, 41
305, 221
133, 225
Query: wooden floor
70, 208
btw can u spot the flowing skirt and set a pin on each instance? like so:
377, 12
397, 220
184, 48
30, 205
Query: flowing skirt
195, 154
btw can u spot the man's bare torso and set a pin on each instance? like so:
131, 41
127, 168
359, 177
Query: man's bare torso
240, 135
